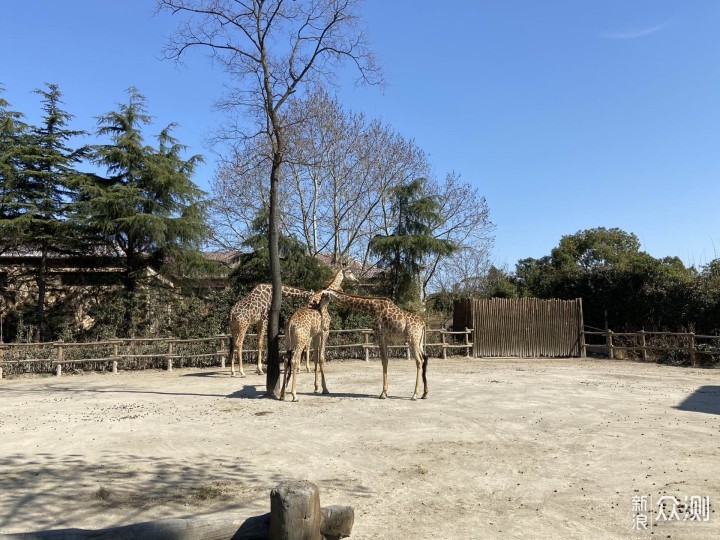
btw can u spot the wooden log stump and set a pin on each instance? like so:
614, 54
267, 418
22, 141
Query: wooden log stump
337, 521
295, 511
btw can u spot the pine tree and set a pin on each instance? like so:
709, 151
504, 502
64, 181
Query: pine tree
147, 209
403, 252
12, 138
298, 268
43, 192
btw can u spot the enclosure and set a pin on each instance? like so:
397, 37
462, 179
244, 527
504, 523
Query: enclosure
503, 448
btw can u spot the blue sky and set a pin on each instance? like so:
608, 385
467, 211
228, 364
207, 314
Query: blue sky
566, 114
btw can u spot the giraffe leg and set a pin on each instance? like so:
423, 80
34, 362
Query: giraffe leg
287, 362
262, 327
239, 341
321, 359
232, 355
384, 358
317, 367
320, 365
231, 346
307, 358
295, 367
415, 349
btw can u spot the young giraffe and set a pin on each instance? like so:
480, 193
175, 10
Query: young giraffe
254, 308
306, 324
335, 285
388, 321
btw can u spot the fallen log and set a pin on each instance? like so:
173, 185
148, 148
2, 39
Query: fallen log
254, 528
294, 512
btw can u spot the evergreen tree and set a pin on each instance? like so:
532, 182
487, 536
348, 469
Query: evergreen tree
43, 191
403, 252
147, 209
297, 269
12, 138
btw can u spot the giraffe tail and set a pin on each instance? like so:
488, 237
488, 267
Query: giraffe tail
424, 368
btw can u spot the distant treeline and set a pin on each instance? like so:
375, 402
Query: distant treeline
620, 286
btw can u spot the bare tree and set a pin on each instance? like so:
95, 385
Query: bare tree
240, 192
467, 223
271, 49
347, 163
339, 168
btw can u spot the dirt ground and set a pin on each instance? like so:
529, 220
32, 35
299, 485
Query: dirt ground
503, 448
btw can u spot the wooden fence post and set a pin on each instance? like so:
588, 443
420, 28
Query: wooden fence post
367, 346
115, 356
641, 333
58, 357
442, 340
581, 328
611, 353
221, 351
692, 348
467, 342
169, 356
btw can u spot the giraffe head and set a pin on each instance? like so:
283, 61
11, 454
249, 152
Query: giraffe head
328, 294
348, 275
343, 274
318, 300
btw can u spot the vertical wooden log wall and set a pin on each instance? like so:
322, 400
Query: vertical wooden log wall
522, 327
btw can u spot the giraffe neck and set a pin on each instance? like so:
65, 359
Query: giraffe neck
336, 282
365, 303
295, 292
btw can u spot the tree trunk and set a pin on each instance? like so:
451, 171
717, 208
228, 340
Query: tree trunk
272, 379
42, 286
130, 285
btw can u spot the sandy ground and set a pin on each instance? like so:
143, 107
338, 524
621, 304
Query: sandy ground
501, 449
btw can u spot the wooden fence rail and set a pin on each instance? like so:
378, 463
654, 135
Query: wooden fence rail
638, 341
117, 351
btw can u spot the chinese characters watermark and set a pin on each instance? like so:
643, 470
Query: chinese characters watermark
668, 508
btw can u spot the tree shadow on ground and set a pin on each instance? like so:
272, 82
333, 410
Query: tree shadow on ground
45, 491
209, 374
249, 392
705, 399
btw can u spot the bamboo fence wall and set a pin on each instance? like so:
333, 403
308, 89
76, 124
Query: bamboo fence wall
166, 353
522, 327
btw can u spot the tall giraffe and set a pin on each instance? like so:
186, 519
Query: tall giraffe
251, 309
344, 274
391, 321
306, 324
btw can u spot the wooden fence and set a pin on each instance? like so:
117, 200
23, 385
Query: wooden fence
524, 327
168, 352
689, 343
